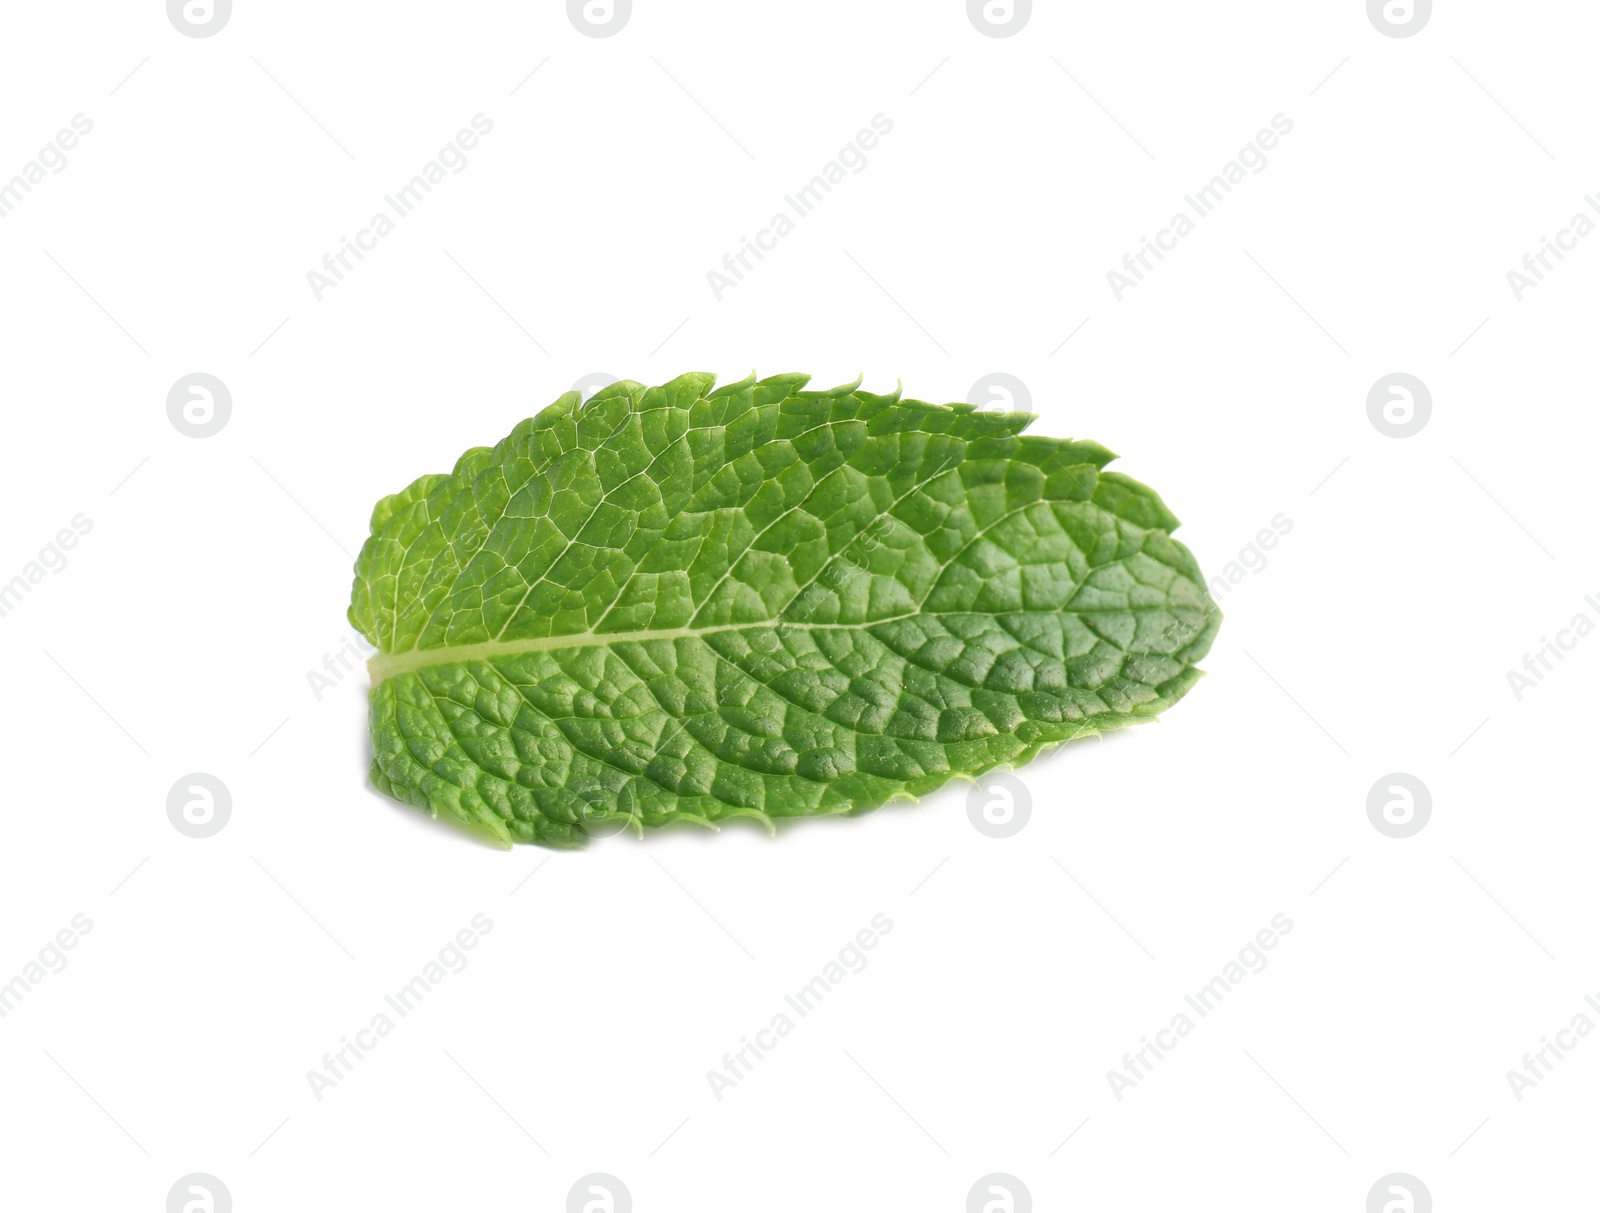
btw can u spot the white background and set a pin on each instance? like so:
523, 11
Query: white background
1376, 639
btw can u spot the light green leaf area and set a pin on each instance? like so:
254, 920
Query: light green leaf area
673, 604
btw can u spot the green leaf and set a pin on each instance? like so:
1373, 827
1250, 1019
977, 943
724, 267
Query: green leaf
674, 604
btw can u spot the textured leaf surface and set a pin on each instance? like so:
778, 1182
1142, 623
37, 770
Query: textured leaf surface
677, 604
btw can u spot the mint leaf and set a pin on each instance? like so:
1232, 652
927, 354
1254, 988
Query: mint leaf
673, 604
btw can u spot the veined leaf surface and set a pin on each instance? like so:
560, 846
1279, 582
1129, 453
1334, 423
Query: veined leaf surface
674, 604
